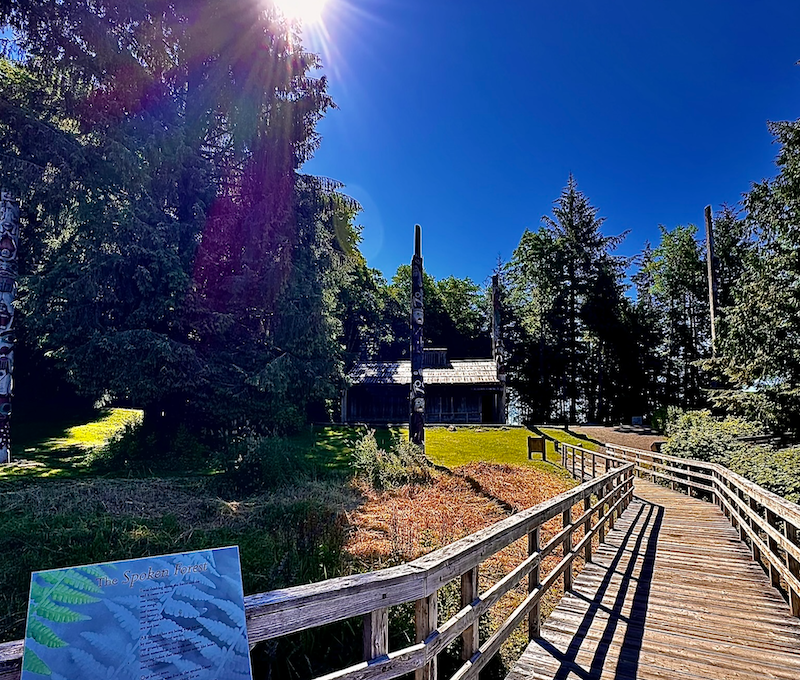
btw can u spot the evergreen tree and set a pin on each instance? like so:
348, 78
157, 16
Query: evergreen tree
761, 327
567, 293
177, 258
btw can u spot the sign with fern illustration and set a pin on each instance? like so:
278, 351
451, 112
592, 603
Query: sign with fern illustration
171, 617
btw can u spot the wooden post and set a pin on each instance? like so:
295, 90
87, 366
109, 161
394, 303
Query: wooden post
594, 468
426, 618
791, 533
712, 279
583, 471
774, 574
587, 527
469, 592
534, 580
603, 507
416, 426
754, 526
566, 520
376, 633
9, 245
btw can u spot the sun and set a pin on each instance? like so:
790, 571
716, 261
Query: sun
306, 11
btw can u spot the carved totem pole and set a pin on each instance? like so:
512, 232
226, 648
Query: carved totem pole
498, 350
9, 243
416, 425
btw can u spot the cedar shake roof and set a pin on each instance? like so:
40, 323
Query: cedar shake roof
457, 372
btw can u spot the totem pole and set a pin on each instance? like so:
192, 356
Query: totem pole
416, 425
498, 351
9, 242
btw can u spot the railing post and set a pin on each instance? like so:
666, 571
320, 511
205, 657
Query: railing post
376, 633
594, 468
563, 450
612, 500
426, 618
754, 526
469, 592
743, 515
583, 467
573, 462
587, 527
791, 533
566, 521
603, 506
534, 579
774, 574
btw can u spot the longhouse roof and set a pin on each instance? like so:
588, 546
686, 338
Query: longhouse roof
457, 372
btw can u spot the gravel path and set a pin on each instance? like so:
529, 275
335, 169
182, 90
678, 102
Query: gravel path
624, 435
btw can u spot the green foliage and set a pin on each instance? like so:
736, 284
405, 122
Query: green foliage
139, 451
701, 436
403, 463
255, 463
573, 340
775, 470
174, 255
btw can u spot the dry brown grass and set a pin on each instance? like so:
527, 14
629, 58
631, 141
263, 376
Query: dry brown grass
399, 525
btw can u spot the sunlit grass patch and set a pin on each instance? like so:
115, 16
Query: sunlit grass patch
472, 444
97, 433
567, 437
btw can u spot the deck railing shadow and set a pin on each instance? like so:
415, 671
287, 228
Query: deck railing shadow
647, 516
768, 524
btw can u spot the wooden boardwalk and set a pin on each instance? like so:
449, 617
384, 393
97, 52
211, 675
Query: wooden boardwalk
673, 593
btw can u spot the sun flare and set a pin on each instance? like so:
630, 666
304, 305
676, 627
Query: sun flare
306, 11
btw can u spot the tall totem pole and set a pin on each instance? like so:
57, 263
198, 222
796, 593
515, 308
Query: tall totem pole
9, 243
498, 350
416, 425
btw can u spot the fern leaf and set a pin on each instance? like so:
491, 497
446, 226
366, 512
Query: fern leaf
208, 648
94, 571
43, 635
59, 614
31, 663
90, 666
177, 608
124, 617
105, 643
219, 630
71, 596
191, 592
235, 612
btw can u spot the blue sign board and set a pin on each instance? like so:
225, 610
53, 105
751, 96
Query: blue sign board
172, 617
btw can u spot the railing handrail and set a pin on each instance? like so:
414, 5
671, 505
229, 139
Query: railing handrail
764, 496
757, 513
289, 610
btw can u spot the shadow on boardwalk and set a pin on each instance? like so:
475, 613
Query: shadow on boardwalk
643, 530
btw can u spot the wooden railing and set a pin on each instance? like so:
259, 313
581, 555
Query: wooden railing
282, 612
767, 523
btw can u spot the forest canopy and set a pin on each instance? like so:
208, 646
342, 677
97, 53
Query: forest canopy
176, 258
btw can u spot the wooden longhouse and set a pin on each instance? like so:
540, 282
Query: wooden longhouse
456, 391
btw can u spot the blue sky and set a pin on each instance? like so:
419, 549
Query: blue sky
467, 117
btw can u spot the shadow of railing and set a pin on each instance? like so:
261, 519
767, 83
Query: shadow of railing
638, 541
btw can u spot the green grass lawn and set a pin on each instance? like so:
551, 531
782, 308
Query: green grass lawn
63, 449
568, 438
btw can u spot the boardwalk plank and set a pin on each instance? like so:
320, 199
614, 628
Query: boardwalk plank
673, 594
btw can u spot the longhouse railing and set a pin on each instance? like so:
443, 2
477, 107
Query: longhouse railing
767, 523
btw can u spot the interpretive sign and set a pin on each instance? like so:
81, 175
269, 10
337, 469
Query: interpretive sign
172, 617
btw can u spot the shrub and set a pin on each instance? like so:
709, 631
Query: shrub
404, 463
775, 470
140, 451
254, 463
698, 435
